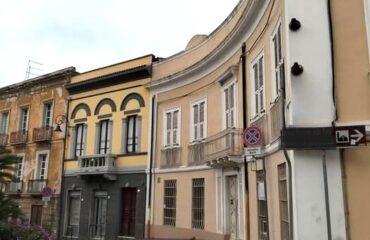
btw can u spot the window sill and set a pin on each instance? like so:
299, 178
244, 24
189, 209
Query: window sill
132, 154
258, 116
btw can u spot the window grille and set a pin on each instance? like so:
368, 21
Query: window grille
197, 220
169, 208
283, 197
262, 207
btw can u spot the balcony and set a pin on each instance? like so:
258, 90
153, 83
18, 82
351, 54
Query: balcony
42, 134
196, 153
36, 185
171, 157
3, 140
276, 114
13, 187
225, 148
19, 137
261, 123
99, 164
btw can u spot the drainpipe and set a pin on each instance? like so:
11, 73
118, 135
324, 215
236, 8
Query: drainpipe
62, 178
244, 90
153, 115
290, 188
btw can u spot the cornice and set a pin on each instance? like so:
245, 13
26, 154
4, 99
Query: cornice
244, 28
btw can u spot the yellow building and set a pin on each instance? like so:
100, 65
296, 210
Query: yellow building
104, 180
27, 113
351, 42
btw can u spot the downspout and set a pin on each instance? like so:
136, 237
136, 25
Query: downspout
290, 202
61, 199
153, 115
244, 91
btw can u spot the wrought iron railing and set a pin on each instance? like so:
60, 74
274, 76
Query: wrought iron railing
224, 144
171, 156
42, 134
3, 140
276, 114
13, 187
96, 164
36, 185
19, 137
196, 153
96, 231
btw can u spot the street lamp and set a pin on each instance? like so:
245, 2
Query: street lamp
59, 120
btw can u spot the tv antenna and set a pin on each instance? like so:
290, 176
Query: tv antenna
31, 67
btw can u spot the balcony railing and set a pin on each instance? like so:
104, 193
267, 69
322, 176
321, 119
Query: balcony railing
42, 134
224, 145
3, 140
196, 153
261, 123
97, 164
171, 156
19, 137
276, 114
13, 187
36, 185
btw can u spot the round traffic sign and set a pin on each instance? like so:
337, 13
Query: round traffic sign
252, 136
47, 191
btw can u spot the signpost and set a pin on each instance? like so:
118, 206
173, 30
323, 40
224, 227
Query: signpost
252, 136
46, 192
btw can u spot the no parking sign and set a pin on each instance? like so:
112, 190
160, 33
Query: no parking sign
252, 136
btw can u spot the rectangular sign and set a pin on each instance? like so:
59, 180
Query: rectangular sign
349, 136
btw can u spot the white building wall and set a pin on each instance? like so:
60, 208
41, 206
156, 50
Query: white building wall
310, 104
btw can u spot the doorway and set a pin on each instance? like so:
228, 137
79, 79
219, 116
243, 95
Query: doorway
36, 213
128, 212
231, 206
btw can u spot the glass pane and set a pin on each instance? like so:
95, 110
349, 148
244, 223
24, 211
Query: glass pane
226, 91
196, 111
231, 100
175, 120
168, 120
201, 112
260, 71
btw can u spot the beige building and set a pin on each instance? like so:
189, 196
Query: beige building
27, 117
351, 38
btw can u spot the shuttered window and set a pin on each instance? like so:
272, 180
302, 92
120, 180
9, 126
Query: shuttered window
258, 88
172, 131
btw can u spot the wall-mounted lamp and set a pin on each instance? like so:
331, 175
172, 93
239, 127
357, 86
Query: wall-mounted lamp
294, 24
297, 69
59, 120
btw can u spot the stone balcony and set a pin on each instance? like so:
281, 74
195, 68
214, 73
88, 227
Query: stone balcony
19, 137
42, 134
3, 140
225, 148
13, 187
35, 186
99, 164
171, 156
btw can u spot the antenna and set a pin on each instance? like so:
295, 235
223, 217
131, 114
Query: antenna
31, 67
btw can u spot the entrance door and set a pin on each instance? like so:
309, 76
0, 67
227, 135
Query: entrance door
231, 188
128, 212
36, 213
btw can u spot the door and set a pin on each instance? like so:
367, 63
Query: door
232, 206
36, 213
128, 212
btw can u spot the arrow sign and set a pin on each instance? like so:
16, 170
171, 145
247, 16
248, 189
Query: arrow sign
349, 136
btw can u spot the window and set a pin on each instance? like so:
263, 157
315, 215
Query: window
41, 173
104, 136
172, 128
169, 207
4, 122
47, 118
79, 140
258, 88
197, 219
278, 62
131, 135
24, 120
73, 214
367, 21
283, 198
262, 207
18, 169
230, 105
97, 228
198, 120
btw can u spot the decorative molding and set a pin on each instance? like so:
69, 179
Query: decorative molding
130, 97
105, 101
80, 106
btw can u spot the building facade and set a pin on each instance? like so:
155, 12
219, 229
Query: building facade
351, 42
104, 180
28, 112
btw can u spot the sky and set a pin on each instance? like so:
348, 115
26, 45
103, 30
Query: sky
89, 34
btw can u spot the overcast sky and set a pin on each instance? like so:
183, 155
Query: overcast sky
89, 34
